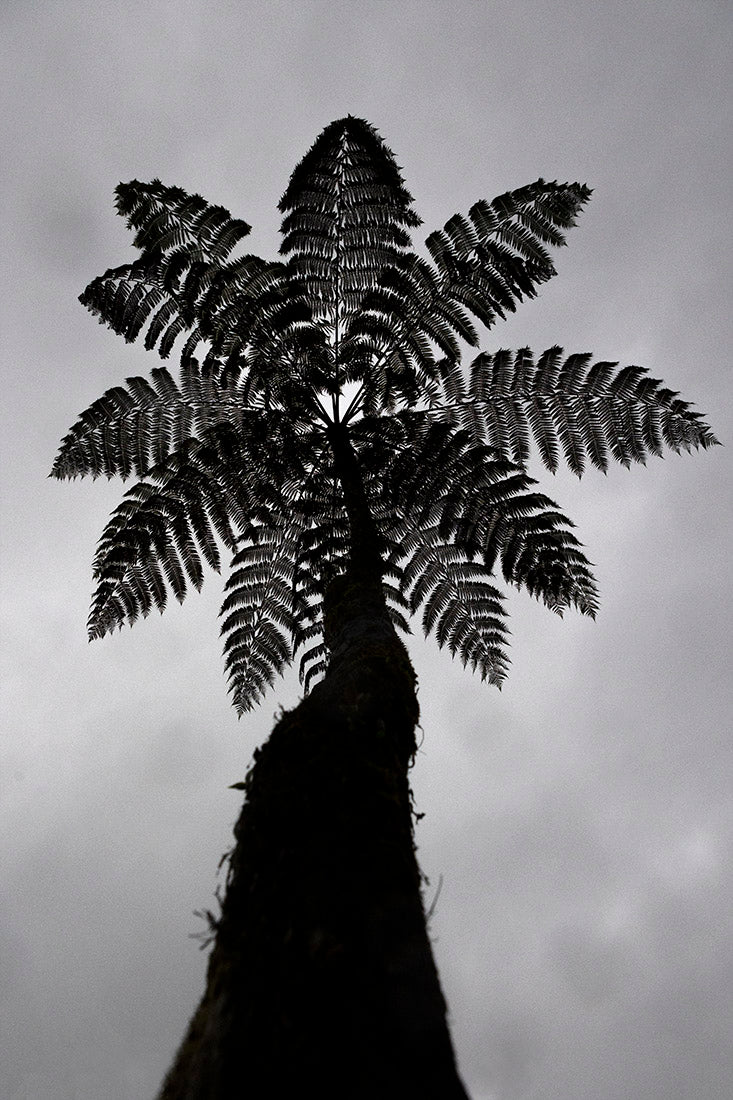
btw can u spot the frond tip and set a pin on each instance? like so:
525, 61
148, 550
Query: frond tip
260, 613
574, 409
495, 257
460, 607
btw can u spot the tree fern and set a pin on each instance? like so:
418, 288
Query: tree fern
350, 328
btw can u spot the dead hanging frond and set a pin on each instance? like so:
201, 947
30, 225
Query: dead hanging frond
430, 911
206, 936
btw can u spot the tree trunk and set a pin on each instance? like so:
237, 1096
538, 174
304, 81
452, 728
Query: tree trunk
321, 981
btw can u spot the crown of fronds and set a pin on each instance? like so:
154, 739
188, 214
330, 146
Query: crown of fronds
349, 326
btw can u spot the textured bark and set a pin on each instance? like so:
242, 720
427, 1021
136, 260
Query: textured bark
321, 980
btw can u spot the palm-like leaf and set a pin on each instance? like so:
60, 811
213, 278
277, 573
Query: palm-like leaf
572, 407
262, 610
350, 329
157, 536
497, 256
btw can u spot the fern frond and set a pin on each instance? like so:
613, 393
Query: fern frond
167, 218
489, 510
129, 297
158, 536
260, 613
583, 411
279, 577
116, 434
461, 607
197, 497
495, 257
346, 214
184, 281
130, 430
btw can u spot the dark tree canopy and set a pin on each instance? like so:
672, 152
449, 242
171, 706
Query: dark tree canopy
348, 347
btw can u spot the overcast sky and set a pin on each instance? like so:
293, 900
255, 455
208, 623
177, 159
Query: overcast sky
580, 820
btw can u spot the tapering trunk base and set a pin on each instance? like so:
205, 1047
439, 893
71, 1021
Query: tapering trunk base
322, 981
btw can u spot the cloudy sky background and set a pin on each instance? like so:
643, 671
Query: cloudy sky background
581, 819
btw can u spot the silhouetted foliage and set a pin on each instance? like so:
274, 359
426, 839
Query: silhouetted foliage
354, 332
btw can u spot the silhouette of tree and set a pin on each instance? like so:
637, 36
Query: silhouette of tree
324, 432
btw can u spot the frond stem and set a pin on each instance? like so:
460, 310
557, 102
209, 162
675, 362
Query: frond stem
365, 544
353, 405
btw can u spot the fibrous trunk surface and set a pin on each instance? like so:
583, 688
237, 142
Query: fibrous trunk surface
322, 981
